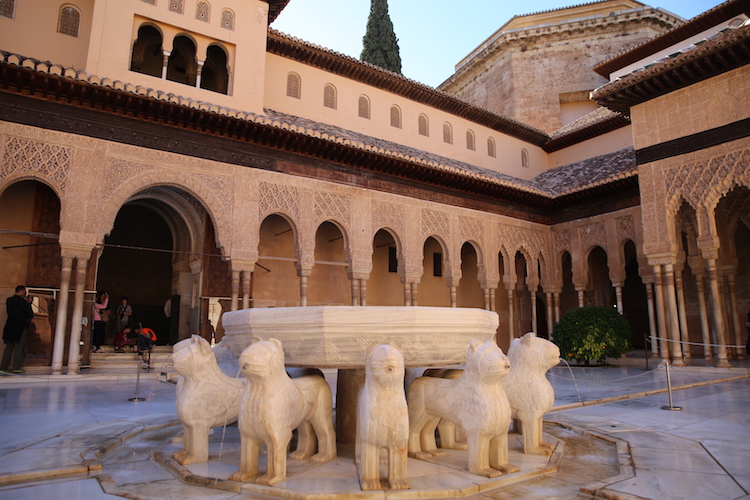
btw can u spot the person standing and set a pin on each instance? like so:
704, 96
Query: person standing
124, 312
14, 333
100, 306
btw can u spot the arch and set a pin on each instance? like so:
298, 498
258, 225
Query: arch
395, 116
469, 292
203, 11
147, 55
329, 96
276, 277
329, 283
599, 286
524, 158
424, 125
491, 147
215, 73
227, 19
293, 85
363, 107
69, 20
470, 140
447, 133
384, 287
182, 66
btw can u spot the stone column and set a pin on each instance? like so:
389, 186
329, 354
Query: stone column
407, 294
735, 314
363, 292
661, 312
487, 302
717, 313
618, 294
198, 81
74, 348
511, 315
533, 310
581, 295
61, 316
705, 332
557, 306
234, 304
414, 293
492, 300
355, 291
246, 280
684, 333
347, 392
550, 320
674, 319
651, 318
165, 63
304, 273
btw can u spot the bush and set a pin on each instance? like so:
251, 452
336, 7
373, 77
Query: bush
592, 332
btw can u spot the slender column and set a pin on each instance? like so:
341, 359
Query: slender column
581, 296
684, 333
487, 299
355, 291
661, 313
674, 317
61, 317
363, 292
533, 311
198, 80
453, 296
246, 277
717, 315
735, 315
651, 319
705, 332
557, 307
414, 293
165, 63
303, 291
618, 294
74, 349
407, 294
550, 322
234, 305
511, 315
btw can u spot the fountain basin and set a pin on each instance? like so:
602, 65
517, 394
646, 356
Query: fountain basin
340, 336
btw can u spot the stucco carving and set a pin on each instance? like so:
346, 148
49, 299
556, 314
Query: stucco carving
562, 241
332, 206
471, 229
476, 401
388, 215
625, 228
434, 222
24, 157
279, 198
518, 237
272, 406
592, 235
382, 419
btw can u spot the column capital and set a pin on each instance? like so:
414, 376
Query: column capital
242, 265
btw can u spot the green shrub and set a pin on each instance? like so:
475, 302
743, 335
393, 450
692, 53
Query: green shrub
592, 332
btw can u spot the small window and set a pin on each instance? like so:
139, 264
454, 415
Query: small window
424, 126
227, 19
392, 260
151, 2
395, 116
491, 147
364, 107
470, 142
176, 6
329, 96
202, 11
7, 8
447, 133
524, 158
70, 20
437, 264
294, 85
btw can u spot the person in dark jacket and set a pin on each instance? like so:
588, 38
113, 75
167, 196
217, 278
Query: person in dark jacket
14, 333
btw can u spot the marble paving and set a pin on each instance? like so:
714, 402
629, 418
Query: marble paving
83, 439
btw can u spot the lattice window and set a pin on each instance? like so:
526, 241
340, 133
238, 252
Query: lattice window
524, 158
364, 107
395, 116
329, 96
447, 133
294, 85
491, 151
202, 11
227, 19
70, 20
470, 142
176, 6
152, 2
424, 126
7, 8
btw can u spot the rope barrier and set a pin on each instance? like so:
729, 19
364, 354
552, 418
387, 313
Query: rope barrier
700, 343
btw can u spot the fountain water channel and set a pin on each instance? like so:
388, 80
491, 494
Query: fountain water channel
340, 338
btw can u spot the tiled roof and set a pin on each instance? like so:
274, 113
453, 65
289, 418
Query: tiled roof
598, 122
588, 173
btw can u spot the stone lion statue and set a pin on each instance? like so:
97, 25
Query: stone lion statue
206, 397
529, 392
272, 406
452, 437
475, 401
382, 419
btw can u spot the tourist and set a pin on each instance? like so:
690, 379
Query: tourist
146, 338
124, 312
122, 339
100, 316
14, 334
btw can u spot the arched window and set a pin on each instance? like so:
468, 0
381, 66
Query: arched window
176, 6
294, 85
364, 107
470, 142
202, 11
7, 8
215, 74
524, 158
227, 19
70, 20
395, 116
447, 133
147, 55
329, 96
491, 151
424, 126
182, 66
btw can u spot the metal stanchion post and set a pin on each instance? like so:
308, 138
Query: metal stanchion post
646, 349
138, 381
669, 390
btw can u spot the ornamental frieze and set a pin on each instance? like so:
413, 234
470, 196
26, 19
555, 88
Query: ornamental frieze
27, 157
388, 215
279, 198
332, 206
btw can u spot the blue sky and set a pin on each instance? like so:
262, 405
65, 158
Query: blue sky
433, 34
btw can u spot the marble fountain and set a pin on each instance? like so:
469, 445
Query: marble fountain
381, 447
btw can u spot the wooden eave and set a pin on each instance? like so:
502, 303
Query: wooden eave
698, 24
586, 133
391, 82
274, 9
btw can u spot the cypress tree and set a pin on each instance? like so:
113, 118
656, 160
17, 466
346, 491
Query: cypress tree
380, 45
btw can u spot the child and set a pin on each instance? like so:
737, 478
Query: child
121, 339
